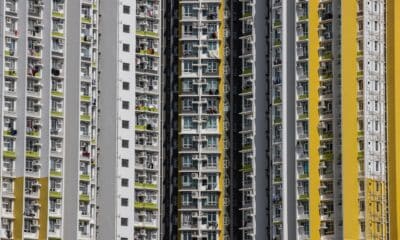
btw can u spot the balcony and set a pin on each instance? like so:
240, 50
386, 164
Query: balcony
147, 33
86, 19
10, 73
57, 93
9, 154
58, 113
326, 135
326, 155
11, 7
84, 197
148, 51
277, 23
85, 117
84, 177
146, 205
10, 53
32, 154
246, 14
85, 98
326, 55
326, 15
302, 196
150, 186
277, 42
57, 34
32, 133
56, 173
57, 14
277, 179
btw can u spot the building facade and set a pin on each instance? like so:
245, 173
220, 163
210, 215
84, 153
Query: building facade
48, 157
199, 119
329, 135
130, 120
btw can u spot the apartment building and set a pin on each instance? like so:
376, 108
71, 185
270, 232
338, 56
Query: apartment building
329, 117
129, 120
199, 119
48, 157
215, 184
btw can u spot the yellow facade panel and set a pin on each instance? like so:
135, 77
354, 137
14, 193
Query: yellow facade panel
350, 187
393, 114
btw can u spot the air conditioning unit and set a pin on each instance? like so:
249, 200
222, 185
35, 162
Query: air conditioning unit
37, 164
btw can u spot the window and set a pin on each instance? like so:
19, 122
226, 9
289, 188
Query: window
188, 10
124, 222
212, 46
211, 182
125, 28
212, 161
186, 199
212, 28
126, 9
125, 105
187, 48
212, 236
211, 122
186, 180
187, 104
124, 202
125, 124
212, 141
212, 84
187, 236
125, 85
212, 66
125, 47
187, 85
125, 143
187, 142
187, 161
124, 182
187, 123
188, 29
125, 162
211, 199
125, 66
188, 66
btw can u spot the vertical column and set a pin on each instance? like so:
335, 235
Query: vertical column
393, 113
260, 51
72, 119
349, 120
108, 105
314, 144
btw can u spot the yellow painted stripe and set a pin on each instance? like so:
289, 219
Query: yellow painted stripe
18, 207
44, 199
393, 108
349, 120
314, 119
